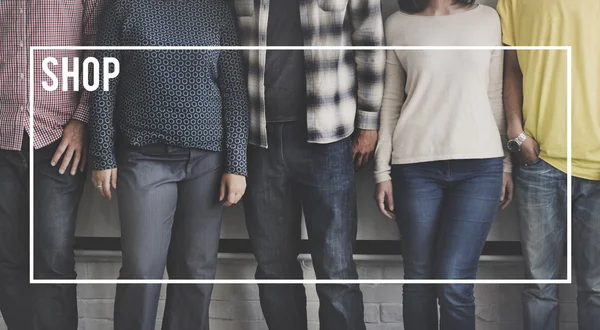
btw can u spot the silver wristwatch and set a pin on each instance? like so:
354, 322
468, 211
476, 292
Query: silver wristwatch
514, 145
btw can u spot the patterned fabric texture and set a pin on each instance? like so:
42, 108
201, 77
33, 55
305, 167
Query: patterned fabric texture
41, 23
186, 98
344, 88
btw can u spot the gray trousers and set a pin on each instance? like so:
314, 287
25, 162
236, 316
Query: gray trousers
170, 216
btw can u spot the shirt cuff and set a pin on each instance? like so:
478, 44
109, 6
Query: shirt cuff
382, 177
367, 120
507, 166
81, 113
104, 163
236, 162
236, 170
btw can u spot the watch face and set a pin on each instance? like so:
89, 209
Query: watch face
513, 146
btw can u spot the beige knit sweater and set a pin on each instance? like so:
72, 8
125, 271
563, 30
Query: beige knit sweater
442, 104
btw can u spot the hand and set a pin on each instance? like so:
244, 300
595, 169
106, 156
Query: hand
385, 198
73, 146
103, 180
507, 190
233, 187
363, 146
530, 151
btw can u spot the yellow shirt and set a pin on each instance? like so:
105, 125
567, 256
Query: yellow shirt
559, 23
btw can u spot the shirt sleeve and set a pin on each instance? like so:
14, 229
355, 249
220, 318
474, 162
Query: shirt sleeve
367, 30
91, 14
495, 90
103, 103
393, 99
234, 95
506, 10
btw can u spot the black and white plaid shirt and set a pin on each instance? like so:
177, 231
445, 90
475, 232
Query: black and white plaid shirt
344, 87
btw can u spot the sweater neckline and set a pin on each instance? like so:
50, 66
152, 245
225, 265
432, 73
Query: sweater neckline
472, 10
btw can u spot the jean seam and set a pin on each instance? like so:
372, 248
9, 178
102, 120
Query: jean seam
281, 155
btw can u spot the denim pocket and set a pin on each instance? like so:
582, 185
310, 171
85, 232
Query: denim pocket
535, 162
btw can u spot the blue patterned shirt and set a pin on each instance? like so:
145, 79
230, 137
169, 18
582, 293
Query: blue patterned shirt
187, 98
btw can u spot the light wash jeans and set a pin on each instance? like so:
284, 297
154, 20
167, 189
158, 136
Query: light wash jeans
541, 195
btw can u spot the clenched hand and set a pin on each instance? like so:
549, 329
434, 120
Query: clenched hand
232, 189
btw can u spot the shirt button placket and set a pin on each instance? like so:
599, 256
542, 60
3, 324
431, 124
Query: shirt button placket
263, 36
22, 57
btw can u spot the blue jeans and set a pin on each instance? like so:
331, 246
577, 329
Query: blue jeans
289, 177
445, 211
541, 196
15, 300
56, 201
56, 196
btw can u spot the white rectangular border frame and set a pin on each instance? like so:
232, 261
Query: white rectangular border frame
568, 280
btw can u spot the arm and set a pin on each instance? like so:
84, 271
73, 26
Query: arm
513, 105
513, 94
234, 96
91, 14
393, 99
511, 109
72, 149
367, 30
103, 103
513, 82
513, 77
73, 145
495, 97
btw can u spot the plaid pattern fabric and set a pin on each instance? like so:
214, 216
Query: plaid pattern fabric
26, 23
344, 88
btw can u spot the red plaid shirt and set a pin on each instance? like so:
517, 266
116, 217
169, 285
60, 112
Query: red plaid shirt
26, 23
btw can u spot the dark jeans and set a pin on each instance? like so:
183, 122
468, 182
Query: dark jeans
541, 195
289, 177
170, 215
444, 210
56, 199
15, 302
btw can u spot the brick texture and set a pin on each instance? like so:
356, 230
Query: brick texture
236, 307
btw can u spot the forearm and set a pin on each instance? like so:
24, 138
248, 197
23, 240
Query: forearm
393, 99
102, 125
370, 71
383, 152
90, 19
495, 95
513, 94
237, 122
102, 136
102, 121
367, 30
236, 116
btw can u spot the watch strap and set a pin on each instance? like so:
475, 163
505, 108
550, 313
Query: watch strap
521, 138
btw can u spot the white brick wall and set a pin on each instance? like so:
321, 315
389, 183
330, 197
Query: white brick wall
236, 307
